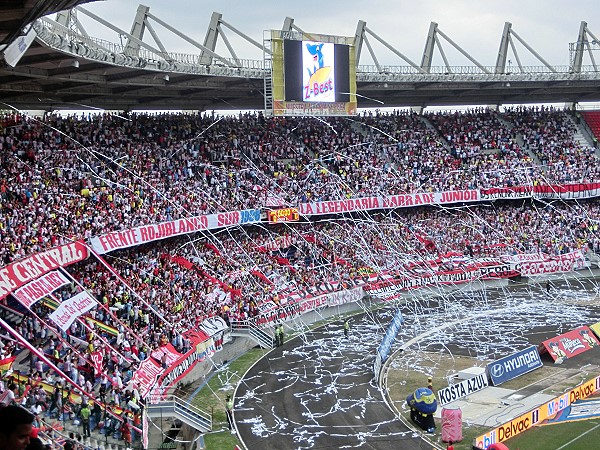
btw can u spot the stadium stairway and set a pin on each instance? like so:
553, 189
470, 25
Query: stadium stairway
436, 132
265, 338
173, 406
592, 119
97, 440
12, 312
582, 137
519, 139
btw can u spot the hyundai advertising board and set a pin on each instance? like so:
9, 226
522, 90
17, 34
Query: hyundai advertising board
515, 365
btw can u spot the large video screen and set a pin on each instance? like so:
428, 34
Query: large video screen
317, 77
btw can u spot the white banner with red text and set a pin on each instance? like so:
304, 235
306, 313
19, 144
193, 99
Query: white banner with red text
573, 191
146, 375
40, 288
71, 309
147, 233
295, 305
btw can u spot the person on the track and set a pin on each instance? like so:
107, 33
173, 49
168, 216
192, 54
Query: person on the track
229, 411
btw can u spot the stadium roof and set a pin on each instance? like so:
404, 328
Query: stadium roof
57, 65
15, 15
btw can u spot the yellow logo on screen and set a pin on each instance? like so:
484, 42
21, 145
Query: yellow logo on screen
319, 83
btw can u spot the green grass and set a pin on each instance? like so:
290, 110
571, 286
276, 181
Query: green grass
211, 398
552, 437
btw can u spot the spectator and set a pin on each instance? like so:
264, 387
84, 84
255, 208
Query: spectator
15, 427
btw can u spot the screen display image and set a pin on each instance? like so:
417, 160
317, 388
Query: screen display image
318, 71
311, 75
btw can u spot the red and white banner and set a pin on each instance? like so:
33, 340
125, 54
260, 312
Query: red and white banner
529, 269
278, 243
154, 232
555, 264
71, 309
21, 272
573, 191
295, 304
146, 375
166, 353
392, 201
98, 361
40, 288
570, 344
564, 192
343, 297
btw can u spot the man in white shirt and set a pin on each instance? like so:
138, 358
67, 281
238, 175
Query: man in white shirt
9, 395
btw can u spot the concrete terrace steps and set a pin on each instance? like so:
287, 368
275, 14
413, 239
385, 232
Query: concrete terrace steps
519, 140
173, 406
97, 439
436, 132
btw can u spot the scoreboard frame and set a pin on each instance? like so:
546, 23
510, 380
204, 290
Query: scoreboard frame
286, 77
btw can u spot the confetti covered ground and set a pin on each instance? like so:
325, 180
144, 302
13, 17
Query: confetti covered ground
317, 391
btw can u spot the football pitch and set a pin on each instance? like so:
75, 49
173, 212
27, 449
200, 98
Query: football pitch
578, 435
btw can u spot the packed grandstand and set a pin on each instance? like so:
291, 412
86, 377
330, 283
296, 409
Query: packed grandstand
157, 225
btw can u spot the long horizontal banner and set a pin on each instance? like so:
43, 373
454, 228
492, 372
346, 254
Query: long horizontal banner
37, 289
147, 233
390, 202
553, 264
21, 272
152, 232
537, 415
565, 192
386, 289
296, 306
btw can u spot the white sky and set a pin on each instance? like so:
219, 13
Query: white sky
476, 25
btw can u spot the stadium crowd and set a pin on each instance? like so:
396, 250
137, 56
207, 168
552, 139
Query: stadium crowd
66, 178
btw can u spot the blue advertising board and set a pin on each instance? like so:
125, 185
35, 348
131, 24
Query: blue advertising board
390, 336
514, 365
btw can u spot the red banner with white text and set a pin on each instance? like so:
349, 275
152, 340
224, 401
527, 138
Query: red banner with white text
570, 344
21, 272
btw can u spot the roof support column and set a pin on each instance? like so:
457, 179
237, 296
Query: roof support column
132, 48
503, 50
210, 40
358, 38
429, 47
